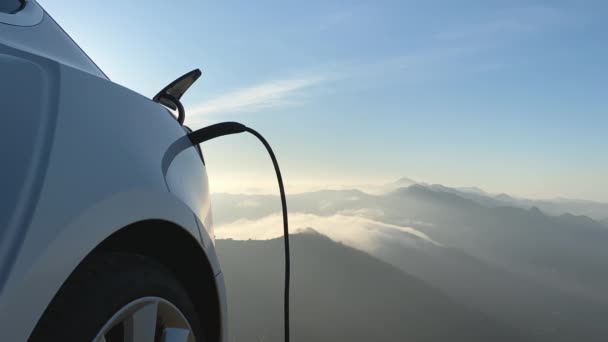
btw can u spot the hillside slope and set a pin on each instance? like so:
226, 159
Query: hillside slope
340, 294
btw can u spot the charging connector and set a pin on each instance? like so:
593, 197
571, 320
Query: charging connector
227, 128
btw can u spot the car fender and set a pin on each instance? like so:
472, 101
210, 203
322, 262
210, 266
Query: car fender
103, 171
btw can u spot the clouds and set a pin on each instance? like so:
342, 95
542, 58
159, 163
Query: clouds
355, 231
449, 44
269, 94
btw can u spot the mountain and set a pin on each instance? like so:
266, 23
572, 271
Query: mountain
555, 207
544, 276
594, 210
533, 308
477, 195
473, 190
404, 182
567, 252
340, 294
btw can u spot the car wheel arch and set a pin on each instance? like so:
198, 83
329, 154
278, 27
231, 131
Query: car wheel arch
174, 247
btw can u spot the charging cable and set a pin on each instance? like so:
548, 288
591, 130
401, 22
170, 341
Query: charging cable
227, 128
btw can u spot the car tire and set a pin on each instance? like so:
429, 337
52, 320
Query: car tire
100, 287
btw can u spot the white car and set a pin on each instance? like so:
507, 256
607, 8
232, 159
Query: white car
106, 232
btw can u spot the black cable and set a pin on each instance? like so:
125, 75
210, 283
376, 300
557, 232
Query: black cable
285, 228
226, 128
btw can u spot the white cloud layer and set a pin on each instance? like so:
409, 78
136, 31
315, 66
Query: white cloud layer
355, 231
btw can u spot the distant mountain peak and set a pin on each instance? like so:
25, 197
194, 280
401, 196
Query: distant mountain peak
473, 190
435, 190
404, 181
308, 231
503, 196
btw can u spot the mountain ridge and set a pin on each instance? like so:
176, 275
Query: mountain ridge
337, 296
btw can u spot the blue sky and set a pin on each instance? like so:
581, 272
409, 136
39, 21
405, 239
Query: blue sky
509, 96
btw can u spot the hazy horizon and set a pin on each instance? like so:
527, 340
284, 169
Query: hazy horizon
269, 187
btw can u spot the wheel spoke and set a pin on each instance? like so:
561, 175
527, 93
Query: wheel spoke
147, 319
141, 325
175, 335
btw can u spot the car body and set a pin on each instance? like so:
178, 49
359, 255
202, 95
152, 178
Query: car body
83, 171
